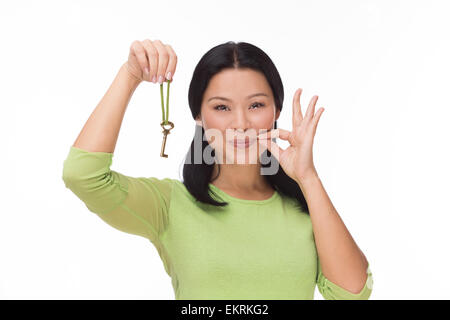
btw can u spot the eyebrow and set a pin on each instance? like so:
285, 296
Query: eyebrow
248, 97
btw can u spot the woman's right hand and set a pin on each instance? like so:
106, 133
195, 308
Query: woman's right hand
155, 57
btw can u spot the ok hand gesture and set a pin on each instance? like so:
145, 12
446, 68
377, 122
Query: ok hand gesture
297, 159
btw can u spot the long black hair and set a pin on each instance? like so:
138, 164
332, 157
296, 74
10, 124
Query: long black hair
196, 173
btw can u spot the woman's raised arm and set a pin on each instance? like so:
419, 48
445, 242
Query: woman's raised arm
137, 205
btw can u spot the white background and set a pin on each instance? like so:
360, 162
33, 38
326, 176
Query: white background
380, 69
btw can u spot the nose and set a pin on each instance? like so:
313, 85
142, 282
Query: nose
241, 122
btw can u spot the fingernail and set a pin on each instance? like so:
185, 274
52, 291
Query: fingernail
154, 79
169, 74
146, 70
160, 79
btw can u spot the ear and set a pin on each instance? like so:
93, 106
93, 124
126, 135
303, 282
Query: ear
198, 121
277, 114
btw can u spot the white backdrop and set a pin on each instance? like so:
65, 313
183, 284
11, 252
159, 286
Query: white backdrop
380, 69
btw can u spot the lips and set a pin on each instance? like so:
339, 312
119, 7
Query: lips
242, 143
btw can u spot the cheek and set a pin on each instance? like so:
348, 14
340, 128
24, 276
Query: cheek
264, 119
215, 122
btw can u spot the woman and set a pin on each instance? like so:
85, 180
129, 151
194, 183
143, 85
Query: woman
235, 227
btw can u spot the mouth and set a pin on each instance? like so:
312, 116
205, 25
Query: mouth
242, 143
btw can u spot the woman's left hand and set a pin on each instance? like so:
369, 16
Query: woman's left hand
297, 159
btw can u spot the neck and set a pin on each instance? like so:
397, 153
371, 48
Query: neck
240, 177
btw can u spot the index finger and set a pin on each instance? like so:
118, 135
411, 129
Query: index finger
172, 63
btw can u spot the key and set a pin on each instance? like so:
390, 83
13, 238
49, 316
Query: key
165, 132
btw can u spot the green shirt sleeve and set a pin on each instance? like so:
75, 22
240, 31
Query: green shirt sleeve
133, 205
331, 291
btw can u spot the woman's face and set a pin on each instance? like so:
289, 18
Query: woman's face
237, 105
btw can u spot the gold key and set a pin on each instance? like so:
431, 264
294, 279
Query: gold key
165, 132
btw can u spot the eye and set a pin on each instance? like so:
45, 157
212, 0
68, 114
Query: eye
258, 104
218, 107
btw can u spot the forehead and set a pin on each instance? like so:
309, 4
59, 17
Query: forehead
237, 83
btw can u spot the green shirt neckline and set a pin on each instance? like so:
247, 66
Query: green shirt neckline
244, 201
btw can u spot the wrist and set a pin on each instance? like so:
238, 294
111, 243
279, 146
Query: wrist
133, 80
312, 176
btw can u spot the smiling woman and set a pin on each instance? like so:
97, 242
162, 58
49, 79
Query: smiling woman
237, 124
235, 93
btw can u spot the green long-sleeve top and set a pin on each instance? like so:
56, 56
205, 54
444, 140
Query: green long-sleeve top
250, 249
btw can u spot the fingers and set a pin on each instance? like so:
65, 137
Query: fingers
275, 133
139, 52
311, 107
163, 61
152, 57
171, 67
317, 118
297, 116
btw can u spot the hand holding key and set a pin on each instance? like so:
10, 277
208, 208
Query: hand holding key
151, 61
154, 61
